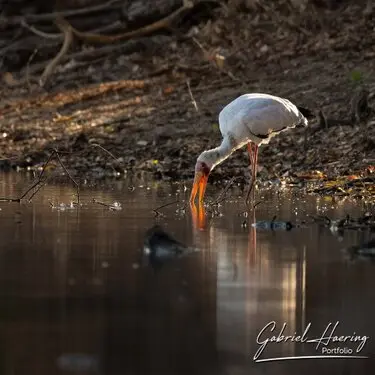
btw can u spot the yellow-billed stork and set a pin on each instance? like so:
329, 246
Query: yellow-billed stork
251, 119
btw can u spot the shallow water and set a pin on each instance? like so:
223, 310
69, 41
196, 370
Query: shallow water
76, 296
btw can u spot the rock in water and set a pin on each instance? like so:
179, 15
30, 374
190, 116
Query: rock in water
159, 247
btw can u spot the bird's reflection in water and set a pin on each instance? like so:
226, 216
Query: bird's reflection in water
198, 216
199, 222
160, 248
178, 301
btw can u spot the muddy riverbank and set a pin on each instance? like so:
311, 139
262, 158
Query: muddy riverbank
139, 106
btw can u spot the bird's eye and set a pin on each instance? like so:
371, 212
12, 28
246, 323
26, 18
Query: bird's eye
204, 168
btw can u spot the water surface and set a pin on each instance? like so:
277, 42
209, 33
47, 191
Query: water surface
76, 298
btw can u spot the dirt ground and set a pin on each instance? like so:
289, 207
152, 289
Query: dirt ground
139, 107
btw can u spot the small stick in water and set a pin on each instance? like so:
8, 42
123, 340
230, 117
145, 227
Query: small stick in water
156, 210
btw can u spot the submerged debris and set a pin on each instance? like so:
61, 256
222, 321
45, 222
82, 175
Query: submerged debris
115, 206
159, 247
364, 251
273, 225
365, 222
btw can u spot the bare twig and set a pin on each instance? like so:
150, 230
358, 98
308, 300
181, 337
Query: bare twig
108, 153
113, 207
204, 50
221, 196
256, 204
191, 96
40, 33
113, 26
101, 203
41, 184
105, 150
68, 38
156, 210
60, 36
39, 180
28, 66
69, 175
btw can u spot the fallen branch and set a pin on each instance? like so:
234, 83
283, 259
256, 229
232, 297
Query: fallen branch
66, 13
68, 38
69, 175
41, 33
69, 32
148, 29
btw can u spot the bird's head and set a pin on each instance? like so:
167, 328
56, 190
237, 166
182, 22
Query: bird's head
203, 167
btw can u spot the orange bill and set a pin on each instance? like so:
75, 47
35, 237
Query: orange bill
200, 183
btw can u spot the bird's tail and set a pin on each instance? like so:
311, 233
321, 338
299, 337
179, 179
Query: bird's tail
306, 112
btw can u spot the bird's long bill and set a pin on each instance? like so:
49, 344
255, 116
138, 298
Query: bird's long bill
200, 183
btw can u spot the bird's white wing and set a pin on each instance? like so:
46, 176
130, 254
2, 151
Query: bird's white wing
259, 115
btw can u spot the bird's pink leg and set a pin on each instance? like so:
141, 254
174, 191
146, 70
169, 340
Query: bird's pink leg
253, 153
250, 150
255, 168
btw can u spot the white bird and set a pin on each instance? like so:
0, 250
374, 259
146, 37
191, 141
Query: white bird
251, 119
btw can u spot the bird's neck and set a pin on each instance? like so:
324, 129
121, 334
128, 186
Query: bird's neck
219, 154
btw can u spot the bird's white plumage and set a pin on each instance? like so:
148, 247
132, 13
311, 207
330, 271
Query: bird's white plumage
252, 118
258, 114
